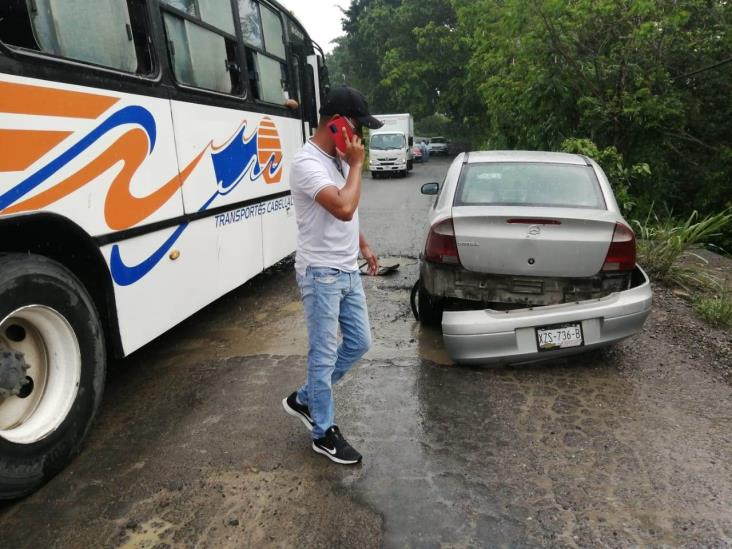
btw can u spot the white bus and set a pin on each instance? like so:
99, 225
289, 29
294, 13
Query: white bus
145, 147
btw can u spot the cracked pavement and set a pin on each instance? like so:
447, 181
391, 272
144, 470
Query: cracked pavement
623, 447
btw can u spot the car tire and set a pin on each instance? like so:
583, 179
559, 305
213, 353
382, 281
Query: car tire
47, 315
374, 175
429, 307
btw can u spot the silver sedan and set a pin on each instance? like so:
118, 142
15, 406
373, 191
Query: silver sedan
528, 258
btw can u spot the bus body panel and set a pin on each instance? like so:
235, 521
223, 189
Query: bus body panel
187, 201
247, 154
211, 262
214, 255
104, 159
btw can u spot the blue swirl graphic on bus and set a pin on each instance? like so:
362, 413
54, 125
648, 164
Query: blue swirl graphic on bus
85, 161
128, 115
231, 163
228, 162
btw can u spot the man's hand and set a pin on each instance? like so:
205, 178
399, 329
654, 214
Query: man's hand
355, 154
372, 260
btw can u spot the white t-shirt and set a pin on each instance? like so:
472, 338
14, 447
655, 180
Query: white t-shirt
323, 240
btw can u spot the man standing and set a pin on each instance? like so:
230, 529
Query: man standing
326, 189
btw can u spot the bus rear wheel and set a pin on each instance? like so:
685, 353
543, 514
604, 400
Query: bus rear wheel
52, 370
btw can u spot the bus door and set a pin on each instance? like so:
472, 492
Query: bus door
306, 94
315, 61
300, 50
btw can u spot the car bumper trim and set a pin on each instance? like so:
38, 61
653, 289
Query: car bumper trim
486, 336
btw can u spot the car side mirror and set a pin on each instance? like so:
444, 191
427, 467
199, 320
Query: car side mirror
431, 188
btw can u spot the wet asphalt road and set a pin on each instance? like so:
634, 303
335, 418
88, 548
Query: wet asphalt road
618, 448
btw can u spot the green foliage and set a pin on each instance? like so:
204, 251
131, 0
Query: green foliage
625, 81
716, 310
439, 124
621, 177
406, 56
664, 242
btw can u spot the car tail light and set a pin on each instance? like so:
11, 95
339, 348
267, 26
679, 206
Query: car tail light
441, 244
621, 254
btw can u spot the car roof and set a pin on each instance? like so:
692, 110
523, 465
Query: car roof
527, 156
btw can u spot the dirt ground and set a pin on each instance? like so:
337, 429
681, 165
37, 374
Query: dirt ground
623, 447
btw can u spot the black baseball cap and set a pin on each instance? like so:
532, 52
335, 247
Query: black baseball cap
349, 102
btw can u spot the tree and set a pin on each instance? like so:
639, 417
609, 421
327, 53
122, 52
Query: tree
645, 83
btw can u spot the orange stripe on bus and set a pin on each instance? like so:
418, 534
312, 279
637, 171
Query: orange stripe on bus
268, 133
26, 99
122, 210
267, 159
20, 148
265, 143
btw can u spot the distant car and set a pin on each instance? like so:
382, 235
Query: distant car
417, 152
528, 257
437, 146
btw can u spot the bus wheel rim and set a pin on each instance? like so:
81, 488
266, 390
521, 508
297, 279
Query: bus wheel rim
51, 349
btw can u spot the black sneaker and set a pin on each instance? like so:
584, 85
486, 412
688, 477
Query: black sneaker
336, 448
294, 408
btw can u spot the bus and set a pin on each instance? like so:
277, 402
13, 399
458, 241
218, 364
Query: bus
145, 148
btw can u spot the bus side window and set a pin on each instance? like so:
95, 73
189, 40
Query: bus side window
202, 44
263, 35
111, 33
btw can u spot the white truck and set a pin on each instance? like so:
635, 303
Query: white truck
390, 147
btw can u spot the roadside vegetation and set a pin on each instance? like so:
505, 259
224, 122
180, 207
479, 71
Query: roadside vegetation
663, 244
642, 87
716, 310
669, 251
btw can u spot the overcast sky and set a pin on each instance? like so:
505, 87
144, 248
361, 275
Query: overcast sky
321, 18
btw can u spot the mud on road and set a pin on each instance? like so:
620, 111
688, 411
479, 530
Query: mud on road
617, 448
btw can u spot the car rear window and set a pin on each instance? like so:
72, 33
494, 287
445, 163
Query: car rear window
529, 184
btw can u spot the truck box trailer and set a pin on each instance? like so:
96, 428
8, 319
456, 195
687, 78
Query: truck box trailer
390, 147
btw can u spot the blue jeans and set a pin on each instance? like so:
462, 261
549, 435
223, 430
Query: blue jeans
331, 298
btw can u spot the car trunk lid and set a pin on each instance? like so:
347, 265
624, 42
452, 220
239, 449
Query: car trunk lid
534, 241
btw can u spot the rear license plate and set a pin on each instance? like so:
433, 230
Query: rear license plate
562, 336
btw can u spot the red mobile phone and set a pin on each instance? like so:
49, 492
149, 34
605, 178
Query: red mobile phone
336, 131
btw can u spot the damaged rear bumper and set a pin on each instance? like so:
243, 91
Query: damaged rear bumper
488, 336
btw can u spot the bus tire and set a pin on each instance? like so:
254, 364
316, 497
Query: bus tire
47, 315
410, 165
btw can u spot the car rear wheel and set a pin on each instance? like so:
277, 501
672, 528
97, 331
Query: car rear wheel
52, 369
429, 307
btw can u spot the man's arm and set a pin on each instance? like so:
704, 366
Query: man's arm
342, 203
368, 255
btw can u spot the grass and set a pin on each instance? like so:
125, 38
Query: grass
716, 310
663, 242
666, 251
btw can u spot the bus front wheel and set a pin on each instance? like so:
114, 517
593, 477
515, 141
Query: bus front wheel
52, 370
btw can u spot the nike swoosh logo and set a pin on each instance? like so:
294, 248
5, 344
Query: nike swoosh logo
331, 452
